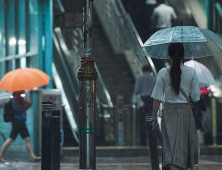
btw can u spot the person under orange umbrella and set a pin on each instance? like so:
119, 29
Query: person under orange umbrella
17, 81
19, 107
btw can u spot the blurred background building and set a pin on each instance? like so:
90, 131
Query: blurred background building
47, 34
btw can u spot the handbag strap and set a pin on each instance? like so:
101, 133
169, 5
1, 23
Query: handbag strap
184, 94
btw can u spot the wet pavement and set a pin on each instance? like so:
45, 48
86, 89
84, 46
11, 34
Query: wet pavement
207, 162
18, 160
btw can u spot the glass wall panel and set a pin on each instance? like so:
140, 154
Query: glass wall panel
10, 32
22, 31
18, 36
2, 37
34, 21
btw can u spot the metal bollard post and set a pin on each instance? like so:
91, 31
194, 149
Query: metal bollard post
56, 140
214, 120
87, 76
46, 135
120, 126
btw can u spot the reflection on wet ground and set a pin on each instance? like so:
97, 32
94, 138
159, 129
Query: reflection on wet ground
18, 159
108, 163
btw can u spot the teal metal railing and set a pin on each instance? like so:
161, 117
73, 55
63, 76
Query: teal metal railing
204, 4
213, 9
218, 18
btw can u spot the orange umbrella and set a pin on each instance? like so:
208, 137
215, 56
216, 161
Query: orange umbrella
23, 79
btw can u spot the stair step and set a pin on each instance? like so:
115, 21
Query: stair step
113, 67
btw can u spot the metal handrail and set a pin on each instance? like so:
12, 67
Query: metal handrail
71, 113
60, 6
219, 9
61, 45
57, 44
18, 56
100, 81
141, 44
67, 108
115, 8
216, 17
108, 98
137, 36
121, 6
76, 62
125, 36
134, 30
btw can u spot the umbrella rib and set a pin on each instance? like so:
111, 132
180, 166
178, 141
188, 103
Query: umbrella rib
172, 34
30, 82
212, 41
196, 65
216, 45
207, 78
191, 49
162, 49
17, 73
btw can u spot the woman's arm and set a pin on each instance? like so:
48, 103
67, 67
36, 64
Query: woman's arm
156, 105
27, 105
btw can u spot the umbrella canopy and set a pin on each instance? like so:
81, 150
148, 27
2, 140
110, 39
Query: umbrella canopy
205, 91
204, 75
23, 79
198, 42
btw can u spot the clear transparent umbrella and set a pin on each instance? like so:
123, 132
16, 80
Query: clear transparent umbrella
198, 42
204, 75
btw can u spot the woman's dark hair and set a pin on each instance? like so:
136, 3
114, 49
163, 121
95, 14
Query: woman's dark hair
176, 53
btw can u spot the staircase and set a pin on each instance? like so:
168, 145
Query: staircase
114, 69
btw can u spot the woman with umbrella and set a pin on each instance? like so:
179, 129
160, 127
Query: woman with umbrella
178, 127
19, 106
180, 145
17, 81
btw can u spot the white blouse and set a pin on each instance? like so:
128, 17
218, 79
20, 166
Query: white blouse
189, 82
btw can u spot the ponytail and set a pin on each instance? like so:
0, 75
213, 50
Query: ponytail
176, 53
175, 74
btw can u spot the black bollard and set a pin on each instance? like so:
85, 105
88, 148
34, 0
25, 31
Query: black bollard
56, 138
46, 135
